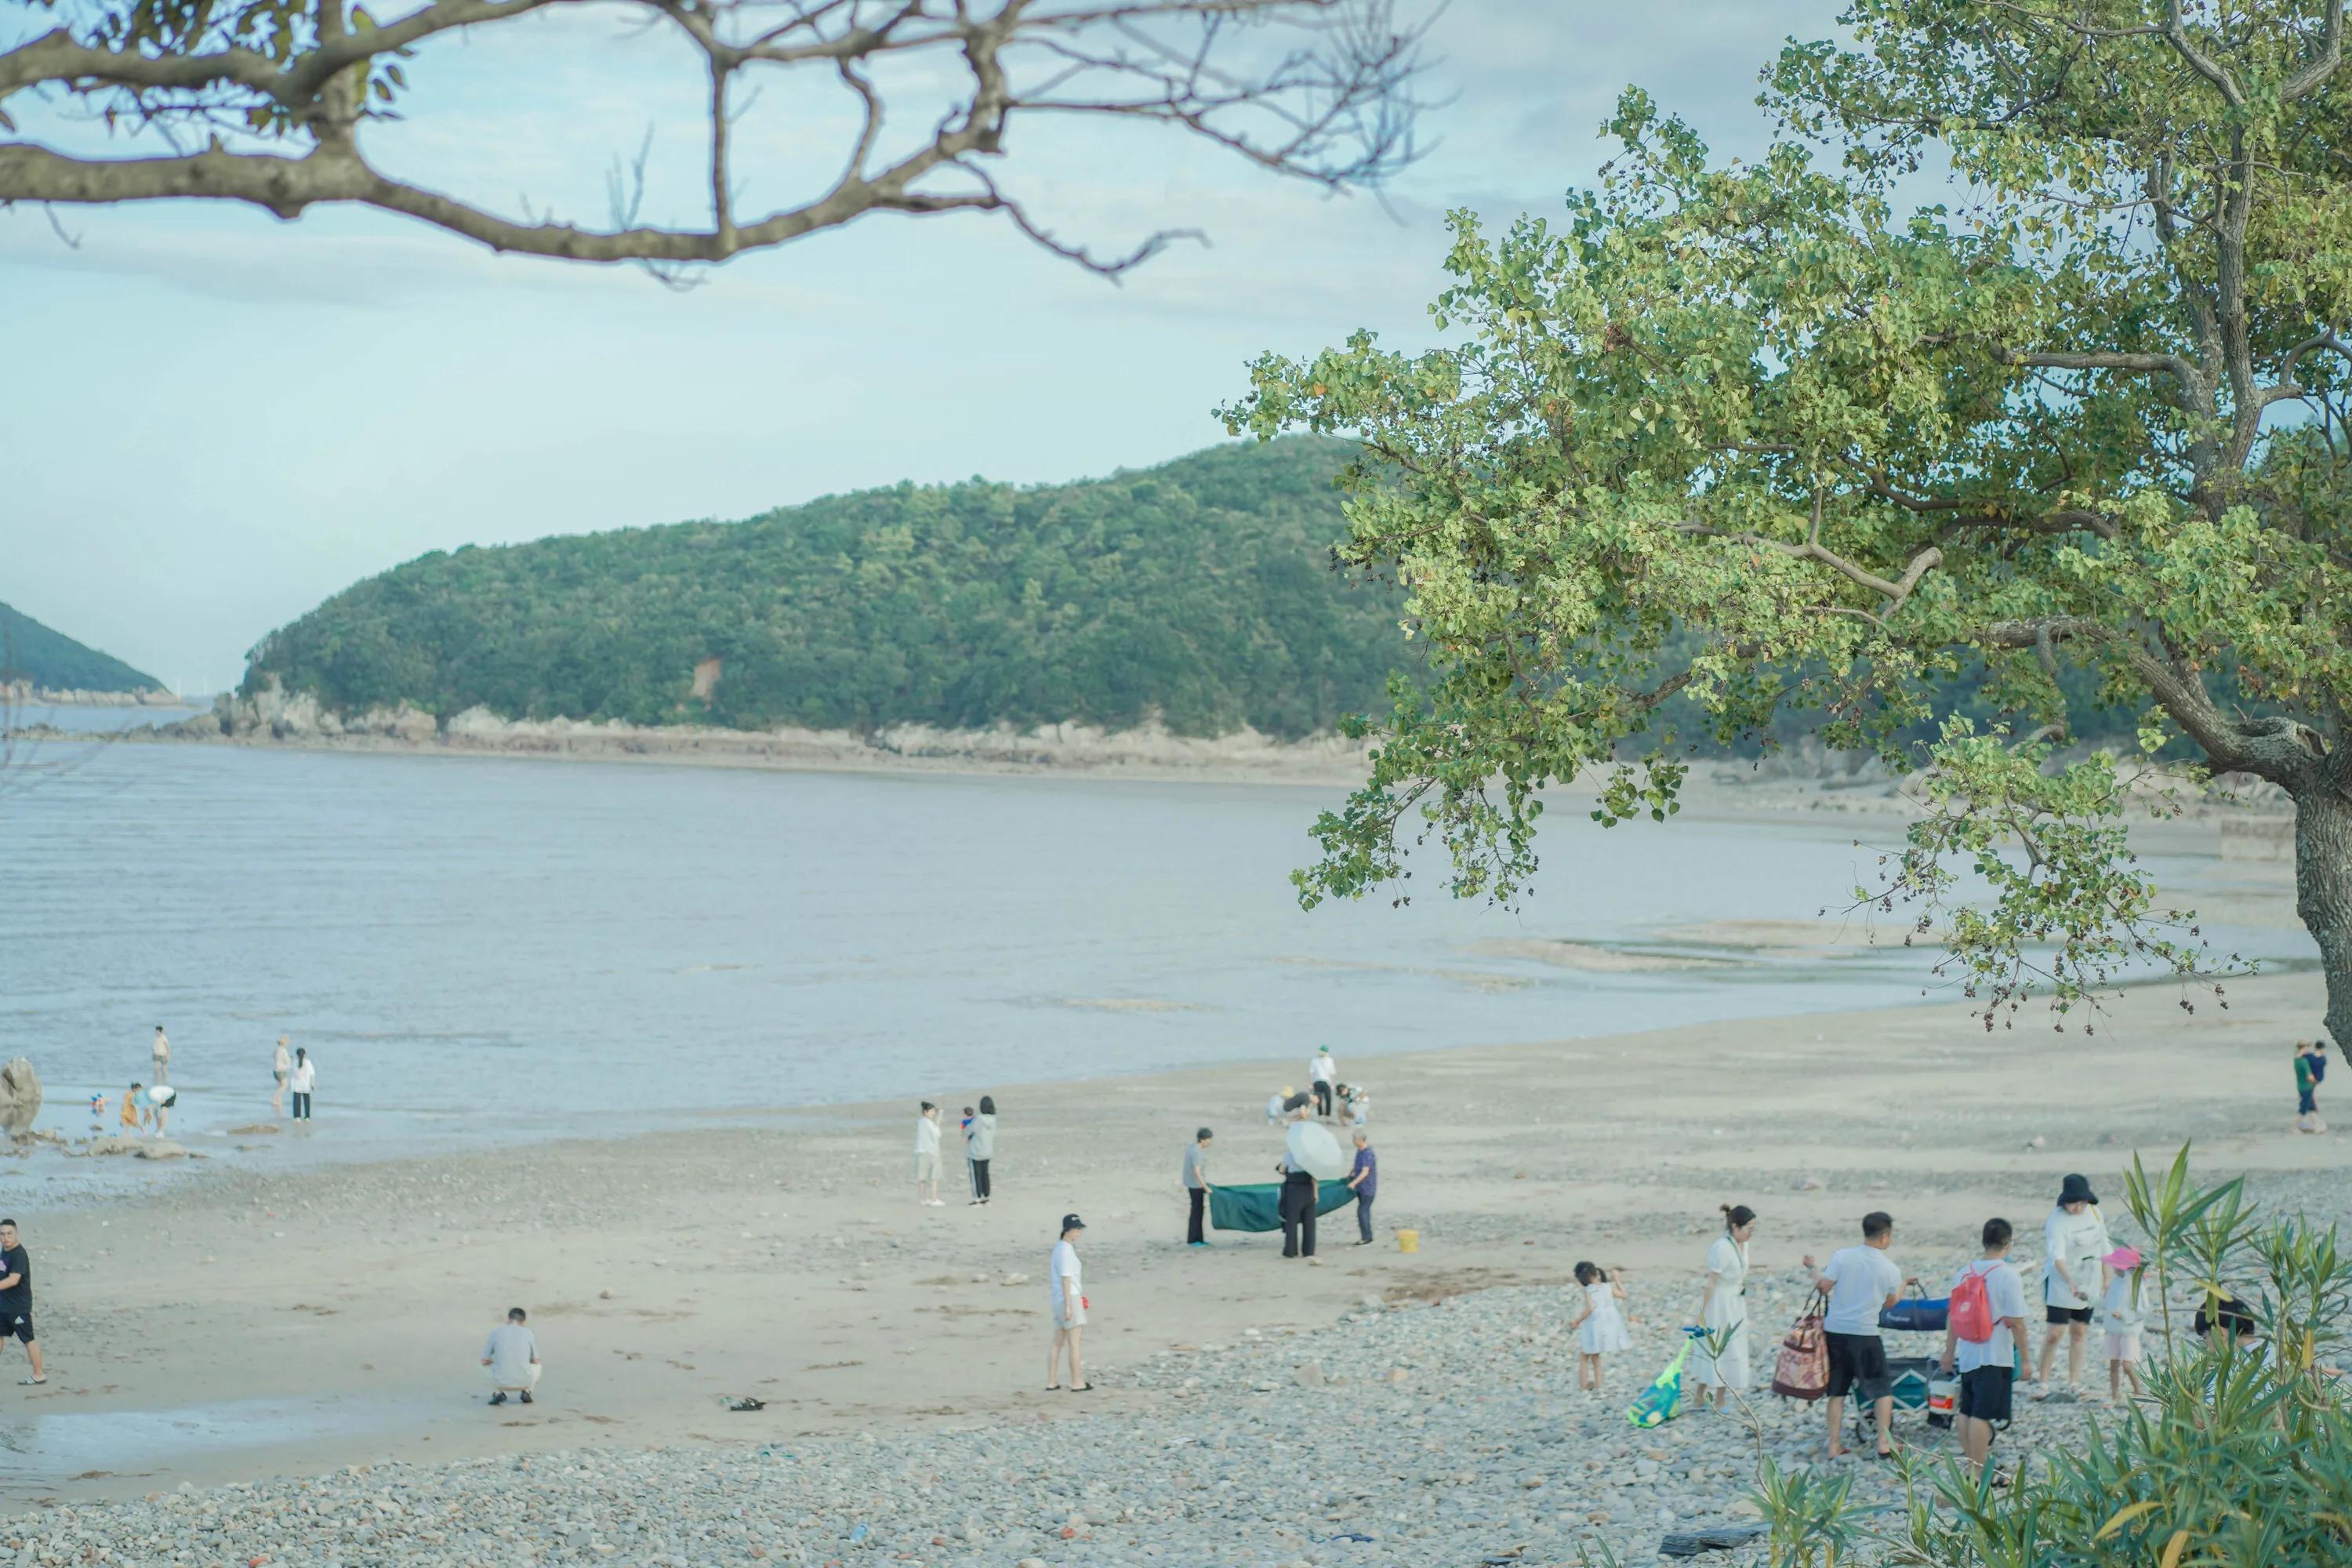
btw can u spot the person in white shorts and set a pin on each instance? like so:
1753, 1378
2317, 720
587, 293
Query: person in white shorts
927, 1156
1066, 1294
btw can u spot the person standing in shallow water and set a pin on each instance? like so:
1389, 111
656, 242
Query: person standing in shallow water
280, 1064
980, 1148
161, 1053
301, 1082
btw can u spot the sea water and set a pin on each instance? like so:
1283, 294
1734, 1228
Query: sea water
484, 949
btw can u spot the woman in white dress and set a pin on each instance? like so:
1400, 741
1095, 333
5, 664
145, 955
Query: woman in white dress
1723, 1309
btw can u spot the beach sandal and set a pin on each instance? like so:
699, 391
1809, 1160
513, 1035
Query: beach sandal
32, 1381
1082, 1388
1053, 1388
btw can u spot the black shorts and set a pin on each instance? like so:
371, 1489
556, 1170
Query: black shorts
14, 1327
1984, 1392
2070, 1314
1858, 1363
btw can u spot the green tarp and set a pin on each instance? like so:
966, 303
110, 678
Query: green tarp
1260, 1208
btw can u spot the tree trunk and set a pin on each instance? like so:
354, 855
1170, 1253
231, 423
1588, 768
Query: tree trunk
2323, 889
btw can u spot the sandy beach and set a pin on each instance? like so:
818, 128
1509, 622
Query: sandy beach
342, 1308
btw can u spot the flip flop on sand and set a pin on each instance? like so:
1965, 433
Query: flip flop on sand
32, 1381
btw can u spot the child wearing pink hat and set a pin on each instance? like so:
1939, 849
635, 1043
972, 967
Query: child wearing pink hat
2119, 1310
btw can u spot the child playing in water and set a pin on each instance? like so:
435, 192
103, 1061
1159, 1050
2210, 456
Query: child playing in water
2119, 1310
1600, 1327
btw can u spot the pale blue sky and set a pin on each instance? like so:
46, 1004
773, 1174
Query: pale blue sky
217, 419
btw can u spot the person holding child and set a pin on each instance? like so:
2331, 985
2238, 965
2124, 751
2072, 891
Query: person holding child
2120, 1315
1600, 1327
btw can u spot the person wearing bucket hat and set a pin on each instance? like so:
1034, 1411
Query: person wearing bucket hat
2073, 1239
1066, 1294
2120, 1315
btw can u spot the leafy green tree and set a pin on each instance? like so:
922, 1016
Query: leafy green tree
1196, 592
1755, 439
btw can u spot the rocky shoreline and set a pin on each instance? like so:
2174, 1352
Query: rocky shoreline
1410, 1431
274, 719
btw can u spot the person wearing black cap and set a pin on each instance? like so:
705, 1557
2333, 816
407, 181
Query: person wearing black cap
1066, 1292
2073, 1239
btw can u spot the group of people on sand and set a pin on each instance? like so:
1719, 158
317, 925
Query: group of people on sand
2084, 1277
1301, 1200
979, 1129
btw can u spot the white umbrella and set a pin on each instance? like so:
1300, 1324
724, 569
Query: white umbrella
1312, 1149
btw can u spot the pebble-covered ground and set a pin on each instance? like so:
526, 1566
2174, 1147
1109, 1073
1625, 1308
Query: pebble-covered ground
1408, 1433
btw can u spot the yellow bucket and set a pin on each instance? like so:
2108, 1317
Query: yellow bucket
1408, 1241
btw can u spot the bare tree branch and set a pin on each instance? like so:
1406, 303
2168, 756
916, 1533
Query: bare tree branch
265, 102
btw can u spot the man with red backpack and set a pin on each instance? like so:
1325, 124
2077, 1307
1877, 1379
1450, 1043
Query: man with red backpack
1986, 1338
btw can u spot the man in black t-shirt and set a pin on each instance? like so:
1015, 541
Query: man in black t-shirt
16, 1298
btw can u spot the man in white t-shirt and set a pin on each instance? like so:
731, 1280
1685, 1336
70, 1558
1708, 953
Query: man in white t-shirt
927, 1156
1065, 1293
1860, 1282
1988, 1367
511, 1357
1323, 1072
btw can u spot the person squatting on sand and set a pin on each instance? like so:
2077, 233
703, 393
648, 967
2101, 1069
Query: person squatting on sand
511, 1358
1066, 1295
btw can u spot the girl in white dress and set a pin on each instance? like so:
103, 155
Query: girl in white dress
1723, 1309
1600, 1328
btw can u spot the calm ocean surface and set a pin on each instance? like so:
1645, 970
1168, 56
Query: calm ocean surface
483, 949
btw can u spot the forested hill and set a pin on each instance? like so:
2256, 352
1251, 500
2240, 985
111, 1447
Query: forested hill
1199, 590
51, 661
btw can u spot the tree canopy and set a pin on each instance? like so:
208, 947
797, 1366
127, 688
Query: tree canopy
1200, 592
1756, 438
